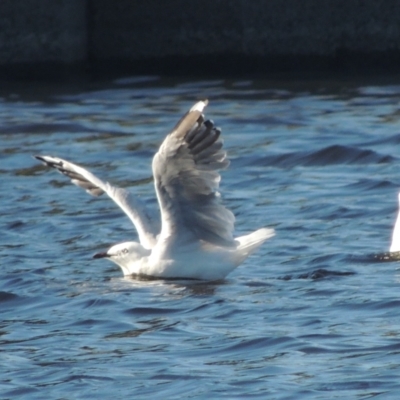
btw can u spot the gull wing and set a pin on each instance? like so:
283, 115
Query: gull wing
131, 206
186, 179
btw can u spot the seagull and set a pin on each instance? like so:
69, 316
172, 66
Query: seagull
395, 246
195, 240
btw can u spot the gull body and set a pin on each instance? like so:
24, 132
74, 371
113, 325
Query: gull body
195, 240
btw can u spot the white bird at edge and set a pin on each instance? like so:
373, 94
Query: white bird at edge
196, 238
395, 246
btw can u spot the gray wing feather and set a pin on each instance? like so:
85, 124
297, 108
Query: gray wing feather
187, 181
146, 226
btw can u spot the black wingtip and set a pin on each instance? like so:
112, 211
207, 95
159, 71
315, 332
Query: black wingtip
50, 163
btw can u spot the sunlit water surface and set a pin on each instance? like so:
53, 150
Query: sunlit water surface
313, 315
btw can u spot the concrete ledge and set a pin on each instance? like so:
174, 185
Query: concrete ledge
42, 31
180, 36
151, 28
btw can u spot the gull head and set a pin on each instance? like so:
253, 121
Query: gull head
129, 256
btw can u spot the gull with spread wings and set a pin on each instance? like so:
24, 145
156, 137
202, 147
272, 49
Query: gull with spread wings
196, 237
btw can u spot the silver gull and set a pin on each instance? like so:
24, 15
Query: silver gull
196, 236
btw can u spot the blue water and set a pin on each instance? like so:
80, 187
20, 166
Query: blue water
313, 315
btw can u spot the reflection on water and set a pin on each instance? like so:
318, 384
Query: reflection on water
314, 314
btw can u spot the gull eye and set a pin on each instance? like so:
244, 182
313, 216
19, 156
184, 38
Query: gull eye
125, 251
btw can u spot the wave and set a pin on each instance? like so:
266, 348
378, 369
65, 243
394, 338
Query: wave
331, 155
41, 128
393, 139
318, 274
7, 296
371, 184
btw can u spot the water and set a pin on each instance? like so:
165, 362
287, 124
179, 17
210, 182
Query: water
313, 315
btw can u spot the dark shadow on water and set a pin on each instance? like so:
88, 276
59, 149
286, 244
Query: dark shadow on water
201, 288
318, 274
384, 257
193, 286
335, 154
142, 277
372, 258
322, 273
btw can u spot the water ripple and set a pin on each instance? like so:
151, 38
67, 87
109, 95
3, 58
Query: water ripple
314, 314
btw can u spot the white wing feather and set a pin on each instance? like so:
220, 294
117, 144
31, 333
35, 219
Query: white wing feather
133, 207
187, 180
395, 246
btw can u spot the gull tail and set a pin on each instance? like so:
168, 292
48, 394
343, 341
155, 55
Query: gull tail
248, 244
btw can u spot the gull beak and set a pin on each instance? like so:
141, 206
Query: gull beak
101, 255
